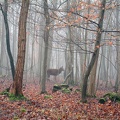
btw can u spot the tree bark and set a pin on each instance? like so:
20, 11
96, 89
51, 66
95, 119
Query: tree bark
95, 53
91, 87
4, 12
70, 54
46, 37
17, 84
117, 82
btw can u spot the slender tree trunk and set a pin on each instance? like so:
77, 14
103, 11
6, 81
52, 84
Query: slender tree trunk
41, 43
117, 82
27, 58
46, 37
2, 49
96, 51
91, 87
4, 12
76, 68
70, 53
17, 84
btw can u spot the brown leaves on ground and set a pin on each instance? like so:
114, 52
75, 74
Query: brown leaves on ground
58, 106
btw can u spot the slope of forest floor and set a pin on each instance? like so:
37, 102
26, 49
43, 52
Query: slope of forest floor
59, 106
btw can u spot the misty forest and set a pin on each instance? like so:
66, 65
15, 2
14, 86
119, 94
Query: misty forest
59, 60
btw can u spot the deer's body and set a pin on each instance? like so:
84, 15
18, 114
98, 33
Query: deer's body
54, 72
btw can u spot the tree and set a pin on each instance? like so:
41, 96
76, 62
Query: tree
118, 52
17, 83
69, 54
4, 12
2, 49
96, 51
52, 22
46, 37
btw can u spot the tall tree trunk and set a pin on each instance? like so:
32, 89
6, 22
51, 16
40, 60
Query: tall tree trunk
41, 43
117, 82
2, 48
52, 22
46, 37
91, 86
96, 51
70, 54
4, 12
17, 83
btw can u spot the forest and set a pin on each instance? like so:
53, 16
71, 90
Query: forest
59, 60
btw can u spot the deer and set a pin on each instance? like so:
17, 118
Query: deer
54, 72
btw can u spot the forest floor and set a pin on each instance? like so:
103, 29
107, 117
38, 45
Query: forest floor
59, 106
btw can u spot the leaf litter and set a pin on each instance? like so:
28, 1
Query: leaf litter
59, 106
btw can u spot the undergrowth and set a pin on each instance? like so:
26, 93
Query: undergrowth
13, 97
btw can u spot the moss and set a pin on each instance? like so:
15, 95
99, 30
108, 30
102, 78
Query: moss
47, 96
56, 88
102, 100
64, 90
64, 86
114, 97
78, 90
59, 87
13, 97
22, 109
5, 92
